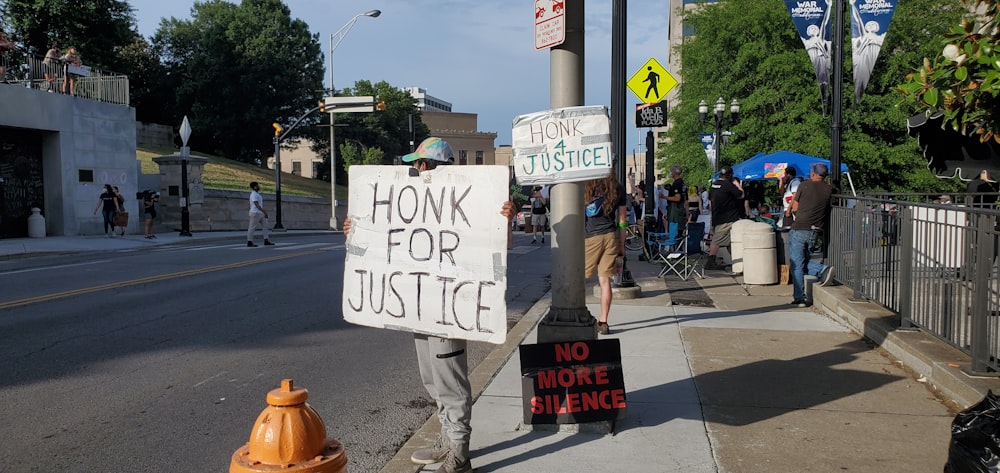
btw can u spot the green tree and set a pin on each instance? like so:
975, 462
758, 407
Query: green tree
235, 69
351, 154
963, 80
99, 29
749, 50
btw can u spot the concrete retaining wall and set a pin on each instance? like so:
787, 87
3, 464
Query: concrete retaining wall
229, 210
154, 135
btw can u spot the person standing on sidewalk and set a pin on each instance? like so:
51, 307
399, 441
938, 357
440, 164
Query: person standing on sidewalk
811, 208
258, 216
538, 213
443, 362
149, 200
110, 207
727, 207
605, 226
676, 204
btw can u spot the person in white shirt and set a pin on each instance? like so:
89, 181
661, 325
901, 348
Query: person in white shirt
258, 216
788, 185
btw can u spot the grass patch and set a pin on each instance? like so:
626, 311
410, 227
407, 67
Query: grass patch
226, 174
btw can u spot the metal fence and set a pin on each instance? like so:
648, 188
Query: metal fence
934, 264
30, 71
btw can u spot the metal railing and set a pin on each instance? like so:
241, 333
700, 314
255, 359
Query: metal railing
933, 264
30, 71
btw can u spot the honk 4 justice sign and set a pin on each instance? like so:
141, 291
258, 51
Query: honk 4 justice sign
428, 253
562, 145
572, 382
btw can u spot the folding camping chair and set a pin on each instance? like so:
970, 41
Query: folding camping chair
686, 259
659, 245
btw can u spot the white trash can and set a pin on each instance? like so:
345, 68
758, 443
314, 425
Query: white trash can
36, 224
736, 237
760, 257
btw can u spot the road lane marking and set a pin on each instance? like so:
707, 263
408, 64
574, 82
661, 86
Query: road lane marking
147, 280
53, 267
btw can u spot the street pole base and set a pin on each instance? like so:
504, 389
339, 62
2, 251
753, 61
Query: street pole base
184, 233
620, 293
278, 228
563, 325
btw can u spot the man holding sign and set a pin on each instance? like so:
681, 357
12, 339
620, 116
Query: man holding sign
407, 269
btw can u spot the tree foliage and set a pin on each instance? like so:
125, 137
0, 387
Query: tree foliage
99, 29
963, 80
749, 50
235, 69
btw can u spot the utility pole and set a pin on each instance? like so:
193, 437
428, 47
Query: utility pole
568, 317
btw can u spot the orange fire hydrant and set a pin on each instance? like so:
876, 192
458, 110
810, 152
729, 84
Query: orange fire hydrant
289, 437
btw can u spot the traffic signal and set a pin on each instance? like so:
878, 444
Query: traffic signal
277, 128
380, 106
322, 106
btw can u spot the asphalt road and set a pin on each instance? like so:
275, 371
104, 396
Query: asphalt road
160, 360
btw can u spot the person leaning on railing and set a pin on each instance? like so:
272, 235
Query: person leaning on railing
51, 66
71, 58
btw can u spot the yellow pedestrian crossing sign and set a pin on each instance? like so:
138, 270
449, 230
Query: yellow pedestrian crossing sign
651, 82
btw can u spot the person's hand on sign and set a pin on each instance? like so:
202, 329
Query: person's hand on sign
347, 225
507, 210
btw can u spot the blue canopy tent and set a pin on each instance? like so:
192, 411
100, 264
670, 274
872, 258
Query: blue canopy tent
772, 166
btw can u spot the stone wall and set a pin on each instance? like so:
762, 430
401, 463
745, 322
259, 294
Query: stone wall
229, 210
154, 135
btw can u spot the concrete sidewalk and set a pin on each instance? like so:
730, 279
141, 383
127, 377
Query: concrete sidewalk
746, 385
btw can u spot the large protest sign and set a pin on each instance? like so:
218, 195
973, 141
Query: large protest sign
572, 382
562, 145
428, 253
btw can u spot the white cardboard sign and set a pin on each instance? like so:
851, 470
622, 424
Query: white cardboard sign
428, 253
562, 145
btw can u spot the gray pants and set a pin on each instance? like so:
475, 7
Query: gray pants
444, 370
258, 220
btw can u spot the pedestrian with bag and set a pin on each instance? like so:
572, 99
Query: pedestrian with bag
109, 206
121, 216
604, 241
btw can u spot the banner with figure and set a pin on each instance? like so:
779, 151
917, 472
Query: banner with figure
708, 142
427, 253
812, 21
869, 24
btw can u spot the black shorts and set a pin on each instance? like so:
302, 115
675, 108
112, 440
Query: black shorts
150, 214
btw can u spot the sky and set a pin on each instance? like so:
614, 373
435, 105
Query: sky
478, 55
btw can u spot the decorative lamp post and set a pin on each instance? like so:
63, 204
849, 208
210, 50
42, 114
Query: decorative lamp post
185, 132
339, 35
719, 109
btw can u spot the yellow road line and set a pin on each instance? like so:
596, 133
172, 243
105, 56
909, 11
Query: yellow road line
162, 277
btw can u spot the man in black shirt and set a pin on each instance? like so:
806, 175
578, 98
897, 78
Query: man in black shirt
726, 195
811, 207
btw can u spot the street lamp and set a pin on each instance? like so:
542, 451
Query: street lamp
720, 108
185, 132
339, 35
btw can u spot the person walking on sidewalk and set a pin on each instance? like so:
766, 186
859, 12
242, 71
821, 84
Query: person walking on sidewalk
149, 200
605, 225
110, 207
258, 216
538, 213
811, 209
443, 362
727, 207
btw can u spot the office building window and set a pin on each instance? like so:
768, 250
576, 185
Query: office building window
463, 156
479, 157
297, 168
86, 175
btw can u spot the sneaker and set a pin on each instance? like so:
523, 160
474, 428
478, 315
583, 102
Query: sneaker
827, 277
533, 241
453, 464
429, 455
543, 239
268, 243
799, 303
249, 244
603, 328
712, 264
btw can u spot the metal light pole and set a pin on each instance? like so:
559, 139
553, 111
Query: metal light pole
339, 34
277, 177
720, 108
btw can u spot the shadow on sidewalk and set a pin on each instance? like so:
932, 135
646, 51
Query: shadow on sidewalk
708, 313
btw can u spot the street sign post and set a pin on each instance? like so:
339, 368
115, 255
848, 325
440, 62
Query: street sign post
550, 23
651, 82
